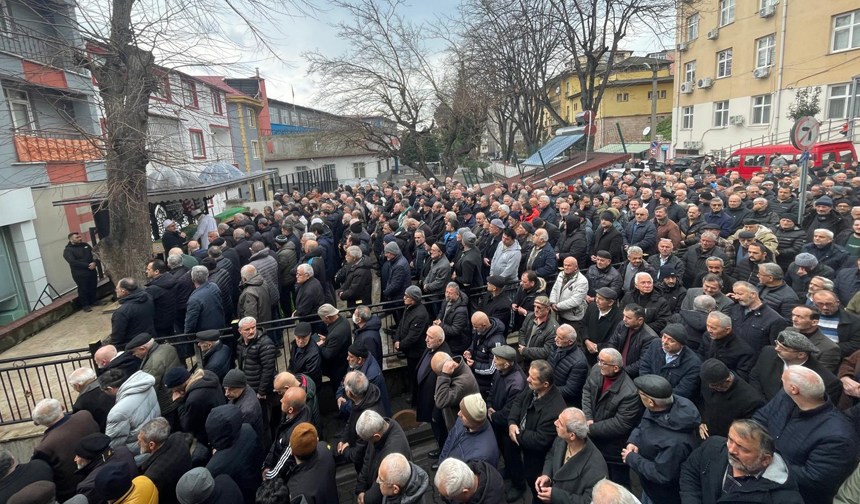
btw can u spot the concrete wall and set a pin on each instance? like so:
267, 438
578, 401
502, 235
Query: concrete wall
20, 219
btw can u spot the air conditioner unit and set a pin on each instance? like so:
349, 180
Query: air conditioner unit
714, 34
705, 83
682, 47
693, 145
687, 87
737, 120
767, 11
761, 73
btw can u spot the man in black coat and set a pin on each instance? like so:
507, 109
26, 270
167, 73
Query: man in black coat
570, 369
657, 311
383, 436
135, 313
79, 255
90, 396
726, 397
674, 361
599, 322
832, 314
485, 486
411, 331
364, 396
236, 450
217, 357
168, 459
531, 429
309, 295
425, 387
199, 393
467, 267
496, 302
257, 356
183, 288
757, 473
161, 289
720, 342
305, 354
313, 479
279, 461
334, 345
607, 238
633, 338
357, 287
454, 320
508, 382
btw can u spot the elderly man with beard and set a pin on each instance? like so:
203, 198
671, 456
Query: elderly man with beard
743, 467
359, 359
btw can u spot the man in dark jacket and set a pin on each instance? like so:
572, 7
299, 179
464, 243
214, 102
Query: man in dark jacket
454, 320
662, 441
335, 344
696, 256
847, 282
305, 354
161, 289
359, 359
573, 465
754, 321
496, 302
531, 429
570, 369
217, 357
357, 287
383, 436
757, 473
722, 343
238, 393
607, 238
258, 358
791, 348
472, 437
674, 361
168, 459
363, 396
309, 294
847, 325
537, 332
198, 394
542, 260
204, 310
79, 255
135, 313
603, 274
366, 327
656, 308
235, 447
90, 396
423, 397
508, 382
313, 479
411, 329
726, 397
818, 443
487, 334
254, 299
612, 408
183, 288
485, 484
467, 267
279, 461
633, 338
397, 276
641, 233
221, 278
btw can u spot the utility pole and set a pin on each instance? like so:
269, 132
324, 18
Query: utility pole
654, 69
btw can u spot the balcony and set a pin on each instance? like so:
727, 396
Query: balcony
21, 40
48, 146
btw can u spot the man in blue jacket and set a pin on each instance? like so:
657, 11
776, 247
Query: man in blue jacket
542, 257
204, 309
717, 216
472, 437
674, 362
641, 233
818, 442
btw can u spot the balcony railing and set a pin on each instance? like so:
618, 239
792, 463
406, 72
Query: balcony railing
49, 146
32, 44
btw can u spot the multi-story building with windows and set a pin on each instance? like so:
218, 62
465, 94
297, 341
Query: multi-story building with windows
740, 65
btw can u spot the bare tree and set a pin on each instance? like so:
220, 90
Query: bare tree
461, 115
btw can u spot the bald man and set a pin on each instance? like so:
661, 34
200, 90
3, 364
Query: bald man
279, 459
107, 357
187, 260
286, 380
487, 334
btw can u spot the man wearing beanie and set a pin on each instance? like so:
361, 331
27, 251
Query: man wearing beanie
314, 475
804, 268
823, 218
472, 437
674, 361
92, 454
726, 397
359, 359
237, 392
395, 276
409, 335
197, 486
116, 483
791, 239
608, 238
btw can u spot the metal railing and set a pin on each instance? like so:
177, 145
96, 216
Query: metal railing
323, 178
32, 44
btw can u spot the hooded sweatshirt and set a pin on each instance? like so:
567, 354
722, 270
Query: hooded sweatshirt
236, 449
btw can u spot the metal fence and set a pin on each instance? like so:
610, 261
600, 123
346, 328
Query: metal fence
323, 179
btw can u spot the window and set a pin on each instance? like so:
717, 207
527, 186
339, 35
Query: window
846, 31
19, 107
162, 90
252, 118
301, 168
567, 91
721, 114
255, 146
727, 12
198, 148
217, 107
690, 71
837, 101
761, 109
189, 94
575, 106
693, 27
568, 112
661, 94
622, 97
687, 117
765, 48
724, 63
5, 19
358, 170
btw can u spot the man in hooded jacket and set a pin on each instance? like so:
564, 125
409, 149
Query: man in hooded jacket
236, 451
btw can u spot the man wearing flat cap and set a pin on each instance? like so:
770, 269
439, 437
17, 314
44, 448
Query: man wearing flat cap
217, 357
600, 320
674, 361
334, 345
791, 348
305, 354
92, 453
726, 397
360, 359
508, 382
496, 302
157, 359
238, 393
662, 441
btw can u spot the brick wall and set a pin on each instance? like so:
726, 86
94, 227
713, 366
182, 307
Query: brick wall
631, 128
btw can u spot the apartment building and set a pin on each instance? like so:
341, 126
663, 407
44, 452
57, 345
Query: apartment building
740, 65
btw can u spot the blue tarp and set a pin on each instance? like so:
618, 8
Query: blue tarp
552, 149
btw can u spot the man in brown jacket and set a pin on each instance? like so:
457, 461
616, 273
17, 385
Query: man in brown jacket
455, 381
57, 447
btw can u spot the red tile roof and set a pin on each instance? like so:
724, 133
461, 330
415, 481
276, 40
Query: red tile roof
218, 82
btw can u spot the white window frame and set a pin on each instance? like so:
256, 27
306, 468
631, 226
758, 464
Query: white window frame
724, 63
192, 87
761, 109
359, 170
252, 118
721, 114
255, 149
843, 99
25, 102
687, 114
690, 71
765, 47
851, 28
727, 12
201, 154
693, 27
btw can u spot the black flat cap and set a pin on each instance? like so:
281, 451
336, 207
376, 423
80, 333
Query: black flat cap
498, 281
750, 221
714, 371
607, 293
93, 445
140, 339
302, 329
654, 386
210, 335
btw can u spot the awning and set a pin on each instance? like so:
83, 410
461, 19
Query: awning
552, 149
174, 183
632, 148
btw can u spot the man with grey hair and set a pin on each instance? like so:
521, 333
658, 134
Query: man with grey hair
724, 345
242, 246
204, 310
402, 481
541, 259
473, 482
134, 315
569, 365
90, 396
357, 285
383, 436
156, 359
57, 446
607, 492
573, 465
169, 457
364, 396
633, 265
183, 288
773, 290
309, 293
818, 443
755, 322
694, 320
827, 252
254, 301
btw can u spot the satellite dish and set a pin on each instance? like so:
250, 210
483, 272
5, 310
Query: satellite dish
646, 131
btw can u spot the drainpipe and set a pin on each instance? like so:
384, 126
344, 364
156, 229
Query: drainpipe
779, 73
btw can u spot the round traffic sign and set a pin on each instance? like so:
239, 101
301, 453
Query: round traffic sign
804, 133
588, 116
590, 129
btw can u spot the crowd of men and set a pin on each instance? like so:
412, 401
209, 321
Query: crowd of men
682, 335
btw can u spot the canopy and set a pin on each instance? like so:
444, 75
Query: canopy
552, 149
